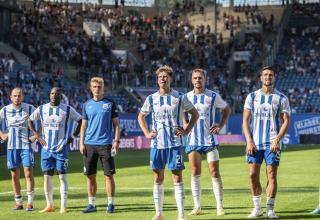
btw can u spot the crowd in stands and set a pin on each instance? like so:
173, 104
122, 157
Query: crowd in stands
53, 34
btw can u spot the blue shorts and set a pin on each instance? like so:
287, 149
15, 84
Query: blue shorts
16, 157
171, 156
271, 158
58, 161
200, 149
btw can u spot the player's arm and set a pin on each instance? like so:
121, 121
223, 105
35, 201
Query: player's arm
285, 117
82, 131
116, 141
194, 117
36, 133
76, 132
251, 148
3, 135
215, 129
144, 127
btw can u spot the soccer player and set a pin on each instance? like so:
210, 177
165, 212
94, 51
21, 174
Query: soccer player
203, 140
268, 111
166, 107
19, 149
55, 118
99, 140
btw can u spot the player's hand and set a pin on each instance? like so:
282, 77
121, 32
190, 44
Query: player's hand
4, 136
275, 146
33, 138
178, 131
251, 148
151, 135
215, 129
41, 141
70, 139
115, 147
83, 149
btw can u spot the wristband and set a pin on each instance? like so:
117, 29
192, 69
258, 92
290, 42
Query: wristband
117, 141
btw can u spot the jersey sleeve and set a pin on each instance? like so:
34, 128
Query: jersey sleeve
84, 113
186, 104
2, 114
285, 106
146, 108
35, 115
114, 110
74, 115
248, 103
219, 102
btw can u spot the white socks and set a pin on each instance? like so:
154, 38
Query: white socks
92, 200
18, 199
179, 195
63, 189
158, 196
218, 191
110, 200
30, 197
48, 189
270, 203
196, 190
256, 202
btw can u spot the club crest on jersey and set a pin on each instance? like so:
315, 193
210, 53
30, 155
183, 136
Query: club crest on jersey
107, 106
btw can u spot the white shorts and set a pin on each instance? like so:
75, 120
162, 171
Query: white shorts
213, 155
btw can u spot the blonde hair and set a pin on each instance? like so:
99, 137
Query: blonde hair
97, 80
166, 69
17, 89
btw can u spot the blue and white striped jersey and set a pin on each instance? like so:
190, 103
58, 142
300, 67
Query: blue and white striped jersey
206, 104
54, 123
265, 116
166, 113
16, 124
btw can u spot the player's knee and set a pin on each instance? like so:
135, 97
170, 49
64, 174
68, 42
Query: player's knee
159, 179
49, 172
15, 175
254, 175
195, 170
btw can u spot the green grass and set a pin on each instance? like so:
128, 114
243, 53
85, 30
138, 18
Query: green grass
298, 192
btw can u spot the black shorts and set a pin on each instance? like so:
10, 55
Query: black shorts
103, 153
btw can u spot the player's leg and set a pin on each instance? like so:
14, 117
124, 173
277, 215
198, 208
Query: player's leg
13, 163
62, 168
217, 186
90, 160
175, 164
272, 161
28, 173
47, 166
157, 164
109, 169
195, 159
15, 180
254, 162
28, 164
158, 193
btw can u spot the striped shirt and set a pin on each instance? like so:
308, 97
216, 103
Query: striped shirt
166, 112
15, 122
265, 116
55, 121
206, 104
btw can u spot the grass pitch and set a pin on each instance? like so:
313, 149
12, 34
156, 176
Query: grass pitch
298, 193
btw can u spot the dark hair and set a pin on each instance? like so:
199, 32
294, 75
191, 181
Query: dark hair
267, 68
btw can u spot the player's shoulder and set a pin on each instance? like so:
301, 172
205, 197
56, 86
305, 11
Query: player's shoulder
108, 100
254, 94
27, 105
280, 94
211, 93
